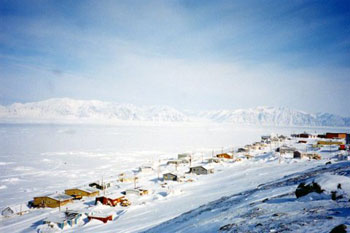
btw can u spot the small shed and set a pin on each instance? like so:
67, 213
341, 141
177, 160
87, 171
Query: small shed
201, 170
15, 210
83, 192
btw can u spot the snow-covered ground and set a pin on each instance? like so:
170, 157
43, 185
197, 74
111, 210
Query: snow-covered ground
42, 159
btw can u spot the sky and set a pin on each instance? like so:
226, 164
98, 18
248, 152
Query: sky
191, 55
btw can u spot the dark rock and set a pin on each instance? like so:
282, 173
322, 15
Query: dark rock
227, 227
303, 189
339, 229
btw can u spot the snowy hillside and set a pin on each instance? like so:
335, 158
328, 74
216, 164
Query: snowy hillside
93, 111
273, 207
275, 117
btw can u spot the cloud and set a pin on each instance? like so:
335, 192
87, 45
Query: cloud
190, 55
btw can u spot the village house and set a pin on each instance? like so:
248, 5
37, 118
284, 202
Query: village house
184, 156
177, 162
52, 200
224, 156
64, 219
145, 169
82, 192
127, 177
112, 200
285, 149
339, 136
136, 191
266, 139
170, 176
303, 135
201, 170
15, 210
101, 216
100, 186
240, 150
213, 160
330, 142
336, 135
297, 155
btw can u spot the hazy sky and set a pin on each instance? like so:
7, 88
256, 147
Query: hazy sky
186, 54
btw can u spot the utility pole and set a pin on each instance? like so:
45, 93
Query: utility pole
158, 171
135, 179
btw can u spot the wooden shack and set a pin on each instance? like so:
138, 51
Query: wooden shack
52, 200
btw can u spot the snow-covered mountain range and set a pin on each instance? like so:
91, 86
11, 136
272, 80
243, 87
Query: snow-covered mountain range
70, 110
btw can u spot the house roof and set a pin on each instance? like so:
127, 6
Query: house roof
58, 196
171, 173
86, 189
206, 167
61, 217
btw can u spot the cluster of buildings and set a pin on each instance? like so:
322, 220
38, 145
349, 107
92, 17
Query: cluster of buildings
176, 174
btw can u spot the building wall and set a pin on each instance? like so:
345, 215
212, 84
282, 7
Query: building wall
49, 202
199, 171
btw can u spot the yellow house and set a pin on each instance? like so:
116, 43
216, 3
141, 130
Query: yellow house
83, 192
52, 201
330, 143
